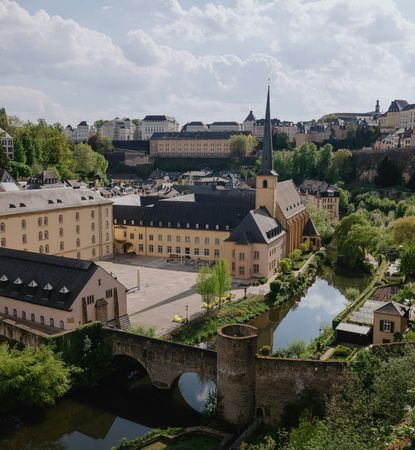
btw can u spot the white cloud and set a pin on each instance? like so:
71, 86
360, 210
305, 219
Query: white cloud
210, 60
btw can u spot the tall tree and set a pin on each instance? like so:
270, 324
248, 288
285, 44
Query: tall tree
207, 286
224, 280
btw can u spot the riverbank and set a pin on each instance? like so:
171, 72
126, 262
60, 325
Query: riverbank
281, 290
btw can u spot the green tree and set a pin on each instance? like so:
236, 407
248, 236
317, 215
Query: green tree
100, 143
19, 170
283, 164
19, 152
31, 377
403, 230
408, 260
281, 141
84, 159
341, 168
304, 162
241, 145
323, 161
224, 280
286, 265
207, 285
322, 222
4, 123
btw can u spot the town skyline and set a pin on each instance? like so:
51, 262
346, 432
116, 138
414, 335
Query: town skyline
203, 62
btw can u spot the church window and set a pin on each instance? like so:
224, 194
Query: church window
265, 184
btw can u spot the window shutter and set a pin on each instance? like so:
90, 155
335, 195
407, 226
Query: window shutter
392, 327
381, 325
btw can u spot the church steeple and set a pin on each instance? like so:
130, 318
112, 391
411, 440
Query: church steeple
266, 179
267, 166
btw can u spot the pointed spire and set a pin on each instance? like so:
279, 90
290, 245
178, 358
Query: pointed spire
267, 166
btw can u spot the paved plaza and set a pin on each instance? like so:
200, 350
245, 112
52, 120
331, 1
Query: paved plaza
165, 290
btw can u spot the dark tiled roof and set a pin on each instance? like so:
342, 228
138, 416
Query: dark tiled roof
309, 229
155, 118
257, 227
179, 214
409, 106
223, 123
84, 123
137, 145
393, 308
397, 105
195, 123
196, 135
261, 122
243, 197
250, 117
5, 177
24, 275
315, 187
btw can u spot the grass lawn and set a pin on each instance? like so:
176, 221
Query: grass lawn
187, 443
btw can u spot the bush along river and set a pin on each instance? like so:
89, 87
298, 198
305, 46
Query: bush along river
123, 405
304, 315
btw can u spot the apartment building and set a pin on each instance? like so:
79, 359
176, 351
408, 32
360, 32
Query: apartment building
158, 124
75, 223
120, 130
204, 144
407, 117
6, 143
323, 195
81, 133
52, 293
225, 126
391, 120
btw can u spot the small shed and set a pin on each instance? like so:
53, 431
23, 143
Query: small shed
354, 333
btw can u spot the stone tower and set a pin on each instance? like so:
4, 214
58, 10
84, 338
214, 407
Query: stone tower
236, 350
267, 178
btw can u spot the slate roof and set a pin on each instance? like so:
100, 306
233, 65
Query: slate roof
353, 328
315, 187
289, 199
257, 227
196, 135
24, 275
157, 118
250, 117
409, 106
397, 105
310, 229
174, 214
393, 308
5, 177
260, 122
18, 202
224, 123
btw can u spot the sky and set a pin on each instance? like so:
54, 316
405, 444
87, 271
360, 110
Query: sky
67, 60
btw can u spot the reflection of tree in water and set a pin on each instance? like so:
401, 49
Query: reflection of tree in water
342, 280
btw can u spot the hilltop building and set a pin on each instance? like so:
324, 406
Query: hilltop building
120, 130
6, 143
323, 195
52, 293
67, 222
248, 123
195, 126
79, 134
224, 126
158, 124
252, 229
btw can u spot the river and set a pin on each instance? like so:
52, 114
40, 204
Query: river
122, 406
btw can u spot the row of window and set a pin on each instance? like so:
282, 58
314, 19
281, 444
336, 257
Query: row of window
169, 224
33, 318
187, 239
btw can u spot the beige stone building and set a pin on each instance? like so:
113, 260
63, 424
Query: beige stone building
75, 223
390, 318
52, 293
391, 120
323, 195
252, 229
6, 144
203, 144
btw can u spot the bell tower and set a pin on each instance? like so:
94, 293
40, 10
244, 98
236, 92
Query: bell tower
267, 178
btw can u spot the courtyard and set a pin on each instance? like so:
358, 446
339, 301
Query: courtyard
165, 289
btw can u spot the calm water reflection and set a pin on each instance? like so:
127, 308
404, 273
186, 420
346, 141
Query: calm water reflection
98, 418
304, 315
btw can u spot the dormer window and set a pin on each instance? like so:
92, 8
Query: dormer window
12, 206
22, 205
187, 225
207, 226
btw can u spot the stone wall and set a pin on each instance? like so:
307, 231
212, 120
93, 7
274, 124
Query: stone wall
18, 333
366, 161
281, 382
164, 361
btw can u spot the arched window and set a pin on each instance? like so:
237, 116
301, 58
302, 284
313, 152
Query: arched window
32, 317
93, 239
77, 216
46, 248
60, 218
77, 229
61, 232
39, 221
46, 234
45, 220
2, 226
92, 214
41, 249
93, 226
265, 184
61, 325
61, 245
40, 235
6, 310
23, 223
78, 243
3, 242
42, 320
51, 322
24, 239
24, 315
107, 237
14, 312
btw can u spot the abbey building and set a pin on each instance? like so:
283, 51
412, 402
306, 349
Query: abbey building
252, 229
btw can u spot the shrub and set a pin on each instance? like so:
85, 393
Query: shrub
263, 280
265, 350
351, 293
285, 265
143, 330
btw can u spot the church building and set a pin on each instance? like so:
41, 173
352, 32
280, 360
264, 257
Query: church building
252, 229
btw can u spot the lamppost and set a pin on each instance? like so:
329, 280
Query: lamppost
187, 313
318, 342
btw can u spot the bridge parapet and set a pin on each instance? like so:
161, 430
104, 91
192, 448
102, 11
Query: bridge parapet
164, 361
